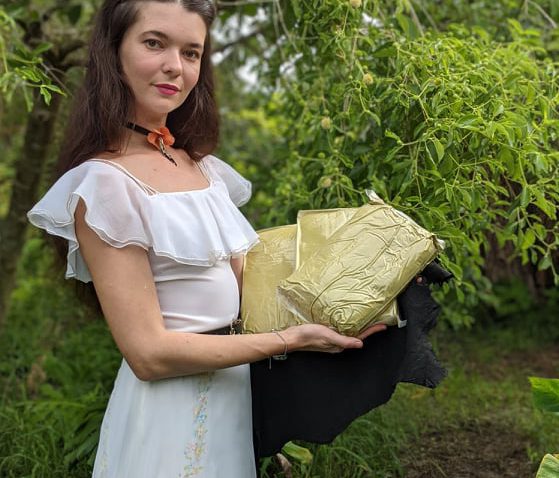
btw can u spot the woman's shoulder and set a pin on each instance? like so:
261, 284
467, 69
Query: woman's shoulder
102, 178
106, 192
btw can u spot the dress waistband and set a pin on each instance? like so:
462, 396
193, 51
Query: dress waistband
234, 328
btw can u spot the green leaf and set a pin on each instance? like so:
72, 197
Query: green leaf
505, 156
467, 121
298, 453
296, 8
390, 134
541, 163
549, 467
529, 239
73, 13
515, 25
546, 206
375, 117
545, 392
46, 94
455, 269
525, 196
41, 48
360, 149
408, 26
30, 74
439, 148
545, 262
385, 51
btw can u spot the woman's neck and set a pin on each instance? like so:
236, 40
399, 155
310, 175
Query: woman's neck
150, 122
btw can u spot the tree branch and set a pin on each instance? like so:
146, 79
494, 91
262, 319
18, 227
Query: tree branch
239, 41
542, 12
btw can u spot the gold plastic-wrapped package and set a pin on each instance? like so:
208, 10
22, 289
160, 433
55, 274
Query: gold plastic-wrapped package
314, 228
360, 269
270, 261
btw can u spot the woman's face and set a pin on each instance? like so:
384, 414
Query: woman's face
160, 56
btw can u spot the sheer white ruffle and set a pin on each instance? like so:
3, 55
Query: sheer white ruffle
238, 187
196, 227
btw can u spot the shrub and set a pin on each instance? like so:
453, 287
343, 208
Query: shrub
455, 129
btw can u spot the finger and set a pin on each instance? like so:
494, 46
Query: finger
344, 342
371, 330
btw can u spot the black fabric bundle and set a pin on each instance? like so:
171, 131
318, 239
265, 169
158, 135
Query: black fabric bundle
315, 396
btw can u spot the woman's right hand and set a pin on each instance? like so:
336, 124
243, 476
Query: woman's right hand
319, 338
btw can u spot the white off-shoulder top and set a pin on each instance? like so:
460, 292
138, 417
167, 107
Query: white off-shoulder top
190, 236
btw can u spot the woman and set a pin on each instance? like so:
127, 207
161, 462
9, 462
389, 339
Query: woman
157, 230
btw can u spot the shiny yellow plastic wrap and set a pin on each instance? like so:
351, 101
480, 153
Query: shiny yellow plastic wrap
270, 261
314, 228
349, 281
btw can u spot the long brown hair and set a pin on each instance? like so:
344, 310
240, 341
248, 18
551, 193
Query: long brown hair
105, 102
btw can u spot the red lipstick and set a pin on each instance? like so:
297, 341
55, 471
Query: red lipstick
167, 89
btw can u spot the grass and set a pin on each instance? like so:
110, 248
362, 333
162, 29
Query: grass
52, 409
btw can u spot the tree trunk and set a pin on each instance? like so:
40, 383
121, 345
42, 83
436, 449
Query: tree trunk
28, 170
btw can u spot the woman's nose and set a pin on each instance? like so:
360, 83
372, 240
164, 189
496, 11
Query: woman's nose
173, 62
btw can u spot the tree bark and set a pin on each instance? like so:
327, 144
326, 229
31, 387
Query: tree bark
28, 171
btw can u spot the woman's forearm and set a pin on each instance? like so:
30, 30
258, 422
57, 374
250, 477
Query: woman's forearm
175, 354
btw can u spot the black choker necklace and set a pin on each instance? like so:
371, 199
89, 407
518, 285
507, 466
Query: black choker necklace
159, 138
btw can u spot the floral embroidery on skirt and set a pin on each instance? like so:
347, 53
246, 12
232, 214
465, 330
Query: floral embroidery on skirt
195, 449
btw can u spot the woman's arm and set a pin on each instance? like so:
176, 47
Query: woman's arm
126, 290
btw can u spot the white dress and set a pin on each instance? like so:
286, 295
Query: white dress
194, 426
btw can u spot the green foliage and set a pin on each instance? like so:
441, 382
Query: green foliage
22, 67
298, 453
512, 305
57, 367
541, 15
545, 392
455, 129
47, 437
254, 153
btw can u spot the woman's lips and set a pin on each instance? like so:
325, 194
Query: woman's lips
166, 90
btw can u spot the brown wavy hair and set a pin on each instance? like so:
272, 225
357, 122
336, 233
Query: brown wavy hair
105, 102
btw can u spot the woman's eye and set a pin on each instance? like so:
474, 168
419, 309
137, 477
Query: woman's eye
192, 54
152, 43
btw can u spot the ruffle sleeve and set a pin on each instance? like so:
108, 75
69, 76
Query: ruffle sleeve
196, 227
239, 188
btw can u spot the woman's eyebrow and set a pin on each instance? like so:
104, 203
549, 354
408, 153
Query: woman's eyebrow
164, 36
